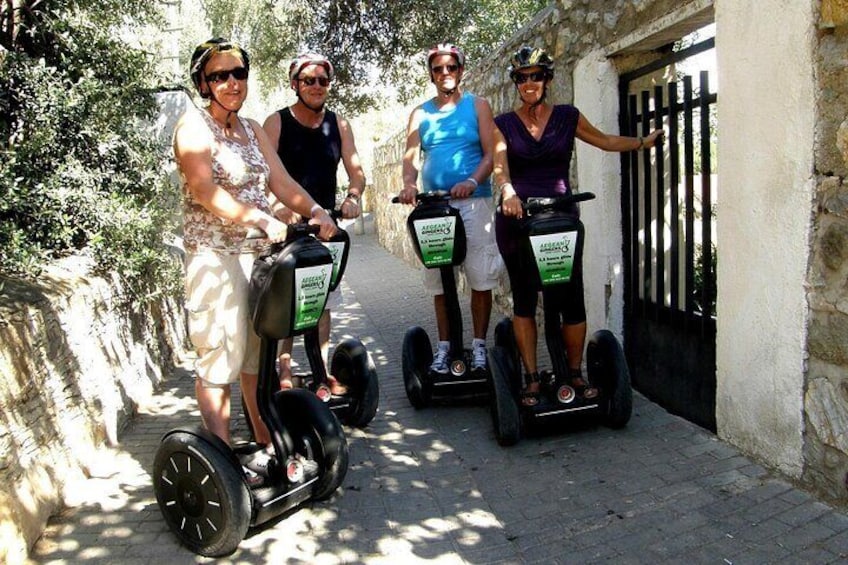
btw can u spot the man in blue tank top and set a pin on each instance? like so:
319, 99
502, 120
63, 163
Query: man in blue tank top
311, 141
450, 136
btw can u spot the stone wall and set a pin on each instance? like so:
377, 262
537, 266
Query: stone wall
75, 365
826, 397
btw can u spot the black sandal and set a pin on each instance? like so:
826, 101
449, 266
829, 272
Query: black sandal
530, 398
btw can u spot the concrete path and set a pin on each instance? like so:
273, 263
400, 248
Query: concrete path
433, 485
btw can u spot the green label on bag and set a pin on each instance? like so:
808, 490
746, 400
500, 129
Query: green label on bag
554, 255
435, 238
311, 287
336, 249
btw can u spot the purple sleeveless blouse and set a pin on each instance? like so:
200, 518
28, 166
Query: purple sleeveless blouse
536, 168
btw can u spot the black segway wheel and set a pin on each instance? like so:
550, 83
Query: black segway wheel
505, 338
202, 493
505, 415
416, 359
608, 369
352, 365
317, 435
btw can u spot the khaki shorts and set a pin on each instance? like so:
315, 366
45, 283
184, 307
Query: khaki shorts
483, 263
219, 323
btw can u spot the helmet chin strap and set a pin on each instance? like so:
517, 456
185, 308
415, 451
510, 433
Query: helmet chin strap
227, 123
314, 110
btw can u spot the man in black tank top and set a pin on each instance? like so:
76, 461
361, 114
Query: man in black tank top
311, 141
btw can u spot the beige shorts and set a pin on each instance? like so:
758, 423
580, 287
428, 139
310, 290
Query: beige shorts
483, 263
219, 323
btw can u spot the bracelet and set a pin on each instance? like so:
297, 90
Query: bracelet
314, 209
352, 196
473, 181
641, 143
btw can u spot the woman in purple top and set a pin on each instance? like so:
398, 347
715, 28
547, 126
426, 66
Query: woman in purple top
533, 147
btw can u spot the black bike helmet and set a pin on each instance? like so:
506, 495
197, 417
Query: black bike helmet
204, 51
527, 57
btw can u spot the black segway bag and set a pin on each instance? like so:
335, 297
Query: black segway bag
438, 234
552, 246
339, 247
289, 287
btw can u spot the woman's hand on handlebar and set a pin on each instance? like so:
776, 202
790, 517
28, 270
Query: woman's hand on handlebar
286, 215
511, 206
325, 222
275, 230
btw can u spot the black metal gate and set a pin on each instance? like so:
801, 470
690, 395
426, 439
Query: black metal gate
669, 255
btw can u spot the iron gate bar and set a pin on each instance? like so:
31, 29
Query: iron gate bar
660, 201
689, 174
633, 235
674, 179
648, 272
706, 205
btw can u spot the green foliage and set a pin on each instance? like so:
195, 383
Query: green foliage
377, 47
81, 170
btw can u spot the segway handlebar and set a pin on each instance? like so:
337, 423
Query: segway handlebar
536, 205
294, 230
427, 197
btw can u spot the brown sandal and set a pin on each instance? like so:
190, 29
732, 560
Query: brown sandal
529, 398
336, 387
582, 388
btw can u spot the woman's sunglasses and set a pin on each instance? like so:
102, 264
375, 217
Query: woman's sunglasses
310, 81
239, 73
521, 78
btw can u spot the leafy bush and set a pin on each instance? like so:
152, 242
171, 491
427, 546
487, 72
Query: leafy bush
81, 171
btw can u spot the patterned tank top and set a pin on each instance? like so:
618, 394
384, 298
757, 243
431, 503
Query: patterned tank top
241, 170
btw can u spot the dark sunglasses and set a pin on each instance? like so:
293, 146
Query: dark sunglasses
309, 81
521, 78
239, 73
439, 69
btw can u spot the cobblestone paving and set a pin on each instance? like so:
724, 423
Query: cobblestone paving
433, 486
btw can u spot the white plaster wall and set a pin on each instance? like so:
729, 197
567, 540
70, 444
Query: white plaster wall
596, 96
765, 156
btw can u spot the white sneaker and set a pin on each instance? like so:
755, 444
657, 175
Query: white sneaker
478, 357
440, 362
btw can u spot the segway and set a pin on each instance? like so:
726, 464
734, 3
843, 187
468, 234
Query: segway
552, 242
350, 362
199, 481
438, 236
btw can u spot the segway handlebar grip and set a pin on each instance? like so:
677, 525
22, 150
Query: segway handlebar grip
536, 205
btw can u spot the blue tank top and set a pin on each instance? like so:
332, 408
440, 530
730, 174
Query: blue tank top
450, 143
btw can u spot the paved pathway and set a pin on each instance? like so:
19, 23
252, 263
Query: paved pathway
434, 486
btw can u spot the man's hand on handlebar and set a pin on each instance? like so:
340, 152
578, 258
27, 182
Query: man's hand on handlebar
463, 189
407, 195
326, 223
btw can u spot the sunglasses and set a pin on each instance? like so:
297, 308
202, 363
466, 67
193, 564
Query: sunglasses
239, 73
521, 78
439, 69
310, 81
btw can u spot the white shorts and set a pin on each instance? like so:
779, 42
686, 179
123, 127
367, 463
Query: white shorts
219, 323
483, 263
